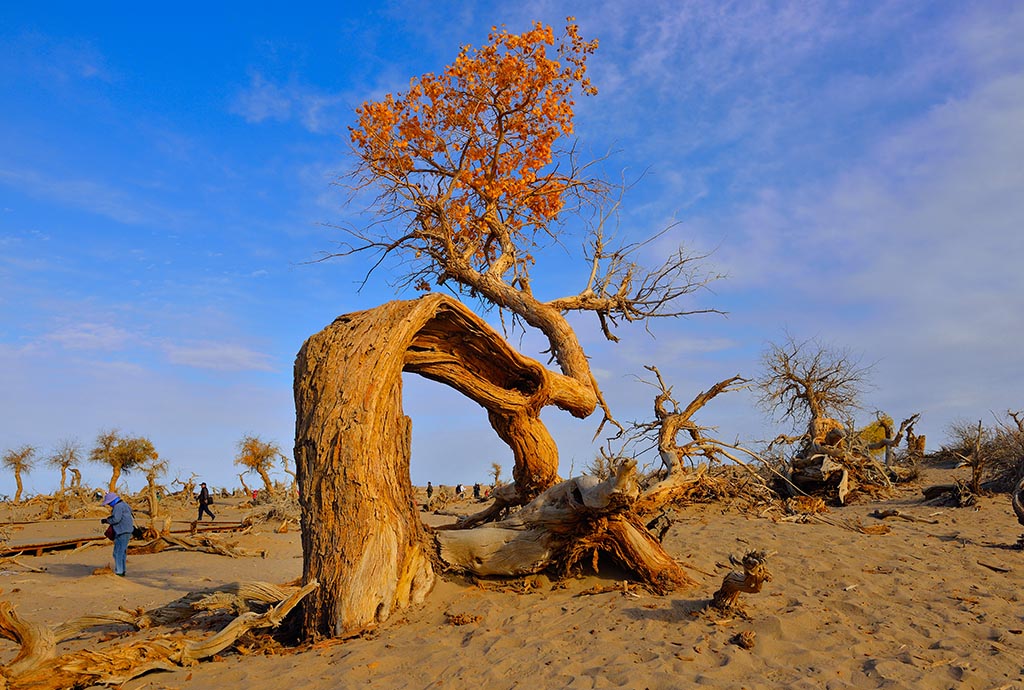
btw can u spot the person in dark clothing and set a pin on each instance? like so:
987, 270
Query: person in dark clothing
123, 522
430, 490
476, 491
204, 503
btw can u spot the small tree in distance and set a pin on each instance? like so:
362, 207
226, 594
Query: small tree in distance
811, 382
66, 456
19, 460
259, 457
121, 453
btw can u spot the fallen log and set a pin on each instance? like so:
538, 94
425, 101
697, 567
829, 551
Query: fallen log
578, 518
38, 549
37, 667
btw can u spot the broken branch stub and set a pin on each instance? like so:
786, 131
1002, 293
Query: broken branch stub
755, 574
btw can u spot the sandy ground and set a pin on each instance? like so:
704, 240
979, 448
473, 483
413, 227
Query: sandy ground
923, 606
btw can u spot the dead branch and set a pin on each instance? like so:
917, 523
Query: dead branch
751, 580
37, 666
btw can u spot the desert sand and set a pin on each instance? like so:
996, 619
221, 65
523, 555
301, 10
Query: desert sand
934, 602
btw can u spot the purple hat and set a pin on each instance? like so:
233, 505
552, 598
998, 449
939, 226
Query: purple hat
109, 498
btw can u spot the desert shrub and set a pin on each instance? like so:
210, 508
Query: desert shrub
994, 454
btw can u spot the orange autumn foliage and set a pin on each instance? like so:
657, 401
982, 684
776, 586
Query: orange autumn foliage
467, 157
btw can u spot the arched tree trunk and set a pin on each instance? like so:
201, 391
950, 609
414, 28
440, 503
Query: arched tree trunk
76, 478
362, 537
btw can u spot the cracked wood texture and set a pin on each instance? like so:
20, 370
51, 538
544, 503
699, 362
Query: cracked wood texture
362, 537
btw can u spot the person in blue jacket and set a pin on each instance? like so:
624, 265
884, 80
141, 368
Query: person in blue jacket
123, 522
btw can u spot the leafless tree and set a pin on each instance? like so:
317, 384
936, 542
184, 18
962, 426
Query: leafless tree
810, 382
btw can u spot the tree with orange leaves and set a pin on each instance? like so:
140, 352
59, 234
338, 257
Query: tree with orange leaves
468, 173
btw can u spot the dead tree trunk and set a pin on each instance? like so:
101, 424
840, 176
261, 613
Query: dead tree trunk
892, 441
245, 487
362, 537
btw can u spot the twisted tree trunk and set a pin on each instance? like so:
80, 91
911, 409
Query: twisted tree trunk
362, 537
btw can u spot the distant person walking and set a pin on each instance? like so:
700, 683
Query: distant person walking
476, 491
204, 503
430, 490
123, 522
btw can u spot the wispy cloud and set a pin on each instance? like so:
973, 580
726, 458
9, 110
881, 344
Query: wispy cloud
90, 336
218, 356
54, 62
91, 195
262, 100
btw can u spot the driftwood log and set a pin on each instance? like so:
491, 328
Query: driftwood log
362, 536
38, 667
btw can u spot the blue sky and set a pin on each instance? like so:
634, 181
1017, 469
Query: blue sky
166, 177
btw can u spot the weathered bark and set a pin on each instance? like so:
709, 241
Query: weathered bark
362, 538
362, 535
245, 487
572, 520
154, 504
17, 480
76, 478
268, 485
1017, 500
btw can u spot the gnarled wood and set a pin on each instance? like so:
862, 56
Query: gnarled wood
362, 537
574, 519
755, 574
37, 668
1017, 500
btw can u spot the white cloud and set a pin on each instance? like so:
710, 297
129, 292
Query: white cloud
264, 100
90, 336
218, 356
91, 195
